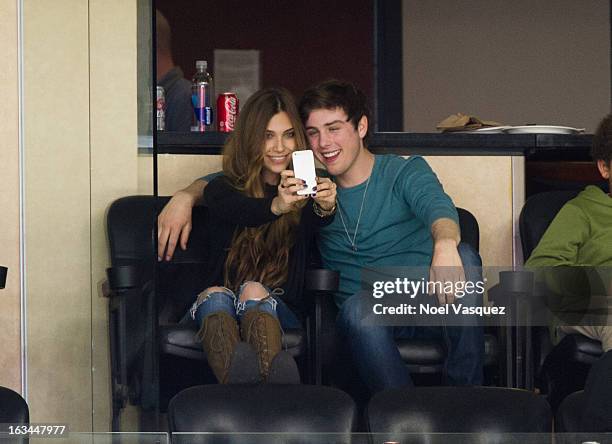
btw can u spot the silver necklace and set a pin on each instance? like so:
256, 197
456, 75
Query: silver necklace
352, 241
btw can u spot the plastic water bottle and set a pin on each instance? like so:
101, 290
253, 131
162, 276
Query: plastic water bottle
202, 96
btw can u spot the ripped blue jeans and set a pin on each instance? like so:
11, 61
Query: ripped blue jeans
226, 300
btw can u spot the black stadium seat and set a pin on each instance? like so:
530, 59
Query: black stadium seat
264, 408
154, 350
427, 410
13, 408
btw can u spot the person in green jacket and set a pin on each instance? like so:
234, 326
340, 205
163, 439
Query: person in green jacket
581, 235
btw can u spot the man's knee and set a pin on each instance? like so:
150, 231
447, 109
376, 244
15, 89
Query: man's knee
253, 291
350, 314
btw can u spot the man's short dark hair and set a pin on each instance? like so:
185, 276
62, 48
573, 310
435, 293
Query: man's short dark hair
332, 94
602, 141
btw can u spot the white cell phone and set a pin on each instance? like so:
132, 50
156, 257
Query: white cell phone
304, 168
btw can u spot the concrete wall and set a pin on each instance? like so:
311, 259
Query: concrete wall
520, 62
80, 153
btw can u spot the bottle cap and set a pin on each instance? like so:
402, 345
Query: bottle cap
201, 64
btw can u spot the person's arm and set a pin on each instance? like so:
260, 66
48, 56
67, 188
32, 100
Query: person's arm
233, 206
423, 193
446, 265
323, 206
229, 204
555, 262
427, 199
562, 240
174, 221
556, 255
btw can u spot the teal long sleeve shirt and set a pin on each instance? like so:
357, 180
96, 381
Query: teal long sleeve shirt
404, 198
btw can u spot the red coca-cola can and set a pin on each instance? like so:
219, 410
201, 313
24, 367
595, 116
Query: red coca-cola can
227, 112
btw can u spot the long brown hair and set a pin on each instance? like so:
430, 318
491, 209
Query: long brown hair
262, 253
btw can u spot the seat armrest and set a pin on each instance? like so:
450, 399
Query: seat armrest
320, 279
124, 277
517, 281
512, 286
321, 282
3, 271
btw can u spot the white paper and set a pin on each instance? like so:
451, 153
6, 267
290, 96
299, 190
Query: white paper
237, 70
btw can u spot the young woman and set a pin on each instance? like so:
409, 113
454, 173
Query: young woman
261, 232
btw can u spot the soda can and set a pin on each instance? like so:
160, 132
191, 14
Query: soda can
227, 112
160, 107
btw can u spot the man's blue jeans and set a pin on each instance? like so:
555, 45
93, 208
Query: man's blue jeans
375, 353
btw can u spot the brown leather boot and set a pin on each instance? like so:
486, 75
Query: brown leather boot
263, 332
219, 335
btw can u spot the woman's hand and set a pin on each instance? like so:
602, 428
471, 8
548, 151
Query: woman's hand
326, 194
287, 195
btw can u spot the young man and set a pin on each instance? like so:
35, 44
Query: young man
177, 89
581, 235
391, 212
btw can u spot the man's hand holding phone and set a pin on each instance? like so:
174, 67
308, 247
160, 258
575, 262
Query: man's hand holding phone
325, 197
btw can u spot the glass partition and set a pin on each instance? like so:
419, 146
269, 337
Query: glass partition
145, 75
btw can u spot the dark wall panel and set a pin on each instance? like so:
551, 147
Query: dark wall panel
301, 42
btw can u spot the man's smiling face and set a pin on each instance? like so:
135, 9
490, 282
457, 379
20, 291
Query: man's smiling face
334, 140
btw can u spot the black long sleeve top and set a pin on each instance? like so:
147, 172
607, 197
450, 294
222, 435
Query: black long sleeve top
229, 210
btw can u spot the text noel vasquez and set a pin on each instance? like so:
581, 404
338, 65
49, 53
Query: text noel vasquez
423, 309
